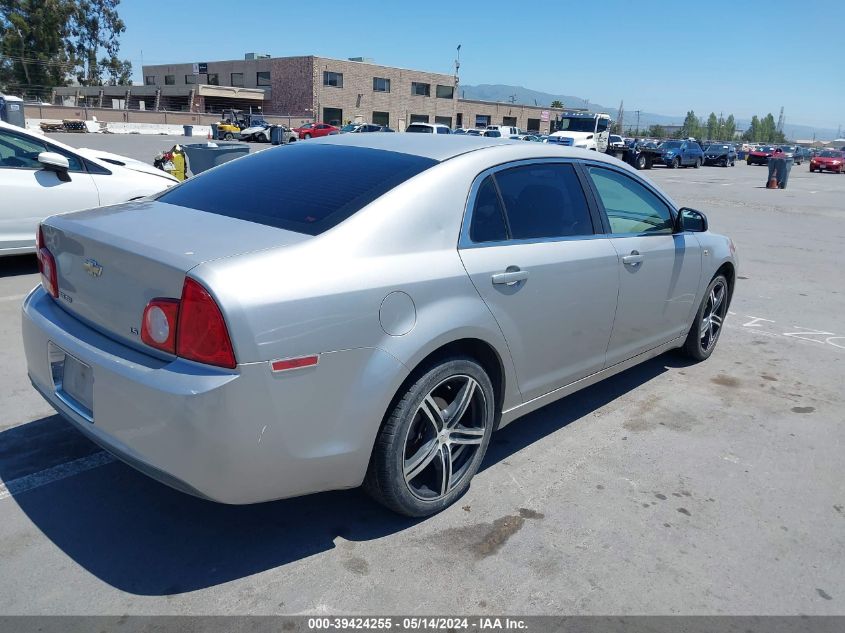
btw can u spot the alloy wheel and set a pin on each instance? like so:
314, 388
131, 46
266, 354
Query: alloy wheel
444, 436
714, 316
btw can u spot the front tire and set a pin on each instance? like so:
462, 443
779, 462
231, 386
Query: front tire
307, 136
641, 161
228, 136
697, 163
707, 326
676, 162
433, 439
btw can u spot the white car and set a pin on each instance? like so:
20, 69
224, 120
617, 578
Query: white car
41, 177
429, 128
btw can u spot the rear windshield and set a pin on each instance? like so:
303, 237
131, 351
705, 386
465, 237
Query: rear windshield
305, 187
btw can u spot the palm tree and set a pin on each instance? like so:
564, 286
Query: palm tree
557, 103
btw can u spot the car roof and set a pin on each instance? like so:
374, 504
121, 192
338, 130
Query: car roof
445, 146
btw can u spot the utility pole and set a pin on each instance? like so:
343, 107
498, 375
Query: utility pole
638, 124
621, 116
780, 120
457, 67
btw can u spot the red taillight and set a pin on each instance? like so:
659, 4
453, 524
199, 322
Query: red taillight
46, 265
201, 331
191, 327
158, 326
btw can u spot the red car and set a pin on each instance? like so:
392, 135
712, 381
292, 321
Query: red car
830, 160
761, 155
313, 130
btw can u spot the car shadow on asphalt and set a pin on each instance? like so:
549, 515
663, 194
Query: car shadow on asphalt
147, 539
15, 265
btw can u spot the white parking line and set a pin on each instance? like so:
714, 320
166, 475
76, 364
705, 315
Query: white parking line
56, 473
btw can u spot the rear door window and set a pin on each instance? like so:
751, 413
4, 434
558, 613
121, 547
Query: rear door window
305, 187
544, 200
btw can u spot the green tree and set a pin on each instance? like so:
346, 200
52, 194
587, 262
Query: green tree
557, 103
95, 26
753, 132
712, 126
33, 45
119, 72
729, 128
657, 131
692, 126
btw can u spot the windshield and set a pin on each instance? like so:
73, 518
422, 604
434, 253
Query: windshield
577, 124
831, 154
349, 127
767, 148
788, 148
670, 145
718, 147
425, 129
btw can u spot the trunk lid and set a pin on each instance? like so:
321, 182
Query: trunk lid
111, 261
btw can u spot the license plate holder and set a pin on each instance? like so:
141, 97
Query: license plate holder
73, 381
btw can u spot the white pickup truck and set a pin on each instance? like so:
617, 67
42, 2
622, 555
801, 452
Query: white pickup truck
580, 128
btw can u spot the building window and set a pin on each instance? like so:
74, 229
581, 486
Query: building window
380, 84
533, 125
262, 78
237, 80
459, 119
190, 79
444, 120
420, 89
482, 120
213, 79
332, 79
381, 118
170, 80
150, 80
445, 92
419, 118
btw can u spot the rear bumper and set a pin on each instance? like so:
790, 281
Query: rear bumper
233, 436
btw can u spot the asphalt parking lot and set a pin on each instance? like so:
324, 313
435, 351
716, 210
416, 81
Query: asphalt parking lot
672, 488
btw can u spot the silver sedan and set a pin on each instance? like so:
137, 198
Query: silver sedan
374, 309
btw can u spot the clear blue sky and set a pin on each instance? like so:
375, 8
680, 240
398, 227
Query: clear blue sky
737, 57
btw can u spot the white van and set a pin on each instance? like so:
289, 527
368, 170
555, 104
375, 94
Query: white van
507, 131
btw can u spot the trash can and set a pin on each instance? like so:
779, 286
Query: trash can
779, 169
277, 135
214, 131
11, 110
204, 156
189, 130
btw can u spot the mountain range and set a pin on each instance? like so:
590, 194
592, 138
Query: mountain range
504, 93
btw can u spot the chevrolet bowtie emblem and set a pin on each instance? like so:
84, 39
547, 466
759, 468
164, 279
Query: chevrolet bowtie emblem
92, 267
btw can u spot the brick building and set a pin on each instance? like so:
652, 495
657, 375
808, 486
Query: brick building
338, 91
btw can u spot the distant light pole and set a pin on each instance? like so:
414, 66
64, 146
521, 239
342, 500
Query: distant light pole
638, 124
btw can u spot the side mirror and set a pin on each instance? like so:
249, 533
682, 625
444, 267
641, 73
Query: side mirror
57, 163
691, 220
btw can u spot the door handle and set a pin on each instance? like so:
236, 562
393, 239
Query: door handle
634, 259
512, 276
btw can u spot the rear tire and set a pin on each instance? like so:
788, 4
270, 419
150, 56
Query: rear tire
709, 320
641, 161
676, 162
433, 439
228, 136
